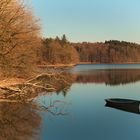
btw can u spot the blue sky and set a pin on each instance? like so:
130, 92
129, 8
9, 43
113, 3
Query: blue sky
89, 20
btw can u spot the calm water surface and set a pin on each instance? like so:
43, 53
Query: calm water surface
81, 112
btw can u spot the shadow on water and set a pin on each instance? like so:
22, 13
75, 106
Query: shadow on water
132, 106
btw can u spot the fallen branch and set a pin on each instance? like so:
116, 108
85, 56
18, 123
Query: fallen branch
38, 86
48, 82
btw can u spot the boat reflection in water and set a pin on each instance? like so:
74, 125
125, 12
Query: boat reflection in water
128, 105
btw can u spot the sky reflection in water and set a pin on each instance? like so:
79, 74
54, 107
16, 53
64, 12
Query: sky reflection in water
86, 115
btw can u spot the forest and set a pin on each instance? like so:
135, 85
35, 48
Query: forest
112, 51
58, 50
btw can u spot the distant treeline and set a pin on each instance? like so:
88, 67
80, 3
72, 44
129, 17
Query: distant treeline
58, 50
112, 51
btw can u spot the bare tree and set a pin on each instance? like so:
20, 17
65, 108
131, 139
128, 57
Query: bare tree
19, 32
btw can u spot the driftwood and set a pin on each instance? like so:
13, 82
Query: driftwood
28, 90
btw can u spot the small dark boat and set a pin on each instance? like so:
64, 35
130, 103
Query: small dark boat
128, 105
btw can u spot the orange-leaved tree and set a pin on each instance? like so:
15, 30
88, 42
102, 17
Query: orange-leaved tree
19, 36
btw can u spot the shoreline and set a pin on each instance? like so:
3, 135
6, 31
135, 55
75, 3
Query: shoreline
6, 82
108, 63
81, 63
56, 65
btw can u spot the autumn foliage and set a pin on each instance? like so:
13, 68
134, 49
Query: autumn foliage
19, 37
112, 51
58, 51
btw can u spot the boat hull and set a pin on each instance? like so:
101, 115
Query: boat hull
128, 105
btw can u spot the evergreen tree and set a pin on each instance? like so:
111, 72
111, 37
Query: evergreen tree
64, 40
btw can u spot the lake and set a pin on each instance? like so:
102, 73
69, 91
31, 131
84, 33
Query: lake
80, 112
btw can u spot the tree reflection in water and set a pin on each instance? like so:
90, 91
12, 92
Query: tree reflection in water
21, 121
110, 77
18, 121
55, 107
